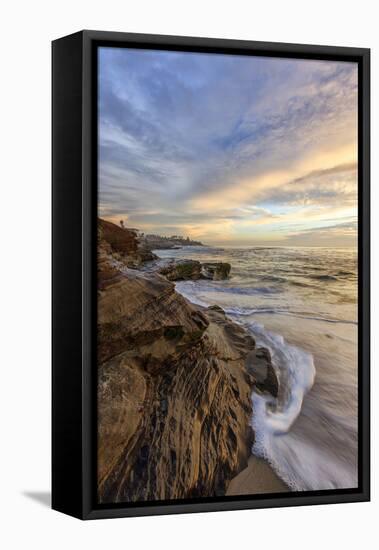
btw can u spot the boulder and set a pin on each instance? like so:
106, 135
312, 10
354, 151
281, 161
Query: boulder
216, 271
182, 270
187, 270
259, 365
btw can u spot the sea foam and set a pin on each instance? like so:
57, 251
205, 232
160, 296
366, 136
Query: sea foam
308, 434
299, 461
273, 418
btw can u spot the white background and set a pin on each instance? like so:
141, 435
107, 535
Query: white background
26, 31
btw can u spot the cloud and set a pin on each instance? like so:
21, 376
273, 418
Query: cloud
342, 234
336, 185
190, 140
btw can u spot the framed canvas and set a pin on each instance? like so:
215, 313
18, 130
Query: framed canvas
210, 275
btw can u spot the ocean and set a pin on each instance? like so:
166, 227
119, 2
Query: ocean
301, 303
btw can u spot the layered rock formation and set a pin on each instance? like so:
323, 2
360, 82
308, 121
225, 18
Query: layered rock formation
181, 270
124, 244
174, 388
216, 271
184, 270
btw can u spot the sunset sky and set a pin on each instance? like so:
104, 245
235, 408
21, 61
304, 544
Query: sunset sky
230, 150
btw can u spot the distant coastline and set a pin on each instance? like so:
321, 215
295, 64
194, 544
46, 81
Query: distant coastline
157, 242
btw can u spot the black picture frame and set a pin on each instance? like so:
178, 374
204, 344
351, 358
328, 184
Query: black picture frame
74, 203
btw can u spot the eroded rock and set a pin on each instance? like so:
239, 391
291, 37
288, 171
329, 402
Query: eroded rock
174, 390
182, 270
124, 244
259, 365
186, 270
216, 270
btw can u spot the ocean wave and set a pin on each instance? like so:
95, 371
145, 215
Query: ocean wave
301, 462
323, 277
296, 372
250, 291
220, 287
303, 285
190, 290
307, 435
345, 274
246, 312
296, 457
273, 279
293, 459
273, 417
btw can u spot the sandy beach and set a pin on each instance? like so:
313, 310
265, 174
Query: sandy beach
257, 478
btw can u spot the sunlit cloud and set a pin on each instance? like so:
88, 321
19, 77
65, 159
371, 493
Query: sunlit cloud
228, 149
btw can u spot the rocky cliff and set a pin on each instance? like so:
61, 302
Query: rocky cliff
123, 244
174, 387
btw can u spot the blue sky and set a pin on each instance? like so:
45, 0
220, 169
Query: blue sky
232, 150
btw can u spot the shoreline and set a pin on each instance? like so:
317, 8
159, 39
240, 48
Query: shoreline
167, 341
155, 347
257, 478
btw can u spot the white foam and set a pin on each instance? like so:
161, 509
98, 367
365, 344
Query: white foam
296, 372
302, 464
188, 290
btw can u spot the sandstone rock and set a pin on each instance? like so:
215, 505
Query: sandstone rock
217, 308
121, 240
138, 312
260, 367
124, 244
216, 271
174, 390
106, 271
182, 270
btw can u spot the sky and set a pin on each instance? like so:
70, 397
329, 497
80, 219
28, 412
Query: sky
229, 150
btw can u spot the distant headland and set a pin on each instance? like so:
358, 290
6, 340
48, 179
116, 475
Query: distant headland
159, 242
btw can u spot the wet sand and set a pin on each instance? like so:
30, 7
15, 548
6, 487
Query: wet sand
257, 478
